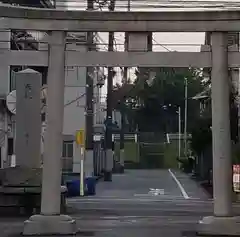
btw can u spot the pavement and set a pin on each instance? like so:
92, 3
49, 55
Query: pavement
138, 203
142, 203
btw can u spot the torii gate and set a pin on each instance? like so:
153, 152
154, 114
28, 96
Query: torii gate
217, 57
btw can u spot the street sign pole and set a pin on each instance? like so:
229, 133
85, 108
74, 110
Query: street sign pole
80, 140
81, 171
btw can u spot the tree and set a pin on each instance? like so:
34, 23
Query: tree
152, 106
201, 133
201, 141
157, 102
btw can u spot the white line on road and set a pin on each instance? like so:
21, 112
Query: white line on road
184, 193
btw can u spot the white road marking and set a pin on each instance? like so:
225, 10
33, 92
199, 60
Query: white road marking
184, 193
143, 200
156, 191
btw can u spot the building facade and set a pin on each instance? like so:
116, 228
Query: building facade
75, 105
10, 40
74, 97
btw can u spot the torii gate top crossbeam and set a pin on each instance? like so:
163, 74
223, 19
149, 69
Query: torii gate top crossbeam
48, 19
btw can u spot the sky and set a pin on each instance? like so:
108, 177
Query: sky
168, 41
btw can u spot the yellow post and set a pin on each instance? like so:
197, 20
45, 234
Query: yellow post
80, 138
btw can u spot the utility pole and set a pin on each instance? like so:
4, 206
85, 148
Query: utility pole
185, 117
89, 106
122, 132
179, 134
108, 133
5, 158
129, 6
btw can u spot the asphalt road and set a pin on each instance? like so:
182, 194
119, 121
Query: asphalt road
139, 203
142, 203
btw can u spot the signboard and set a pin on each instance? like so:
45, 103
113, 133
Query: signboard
97, 138
236, 178
80, 137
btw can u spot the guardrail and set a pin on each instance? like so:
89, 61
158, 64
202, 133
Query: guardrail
175, 136
115, 137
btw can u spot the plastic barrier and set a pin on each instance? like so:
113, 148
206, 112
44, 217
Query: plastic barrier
73, 187
90, 184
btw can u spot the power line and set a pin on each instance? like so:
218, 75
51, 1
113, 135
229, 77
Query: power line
78, 98
162, 45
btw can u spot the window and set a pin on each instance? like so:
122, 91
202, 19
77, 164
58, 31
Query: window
67, 149
67, 156
12, 80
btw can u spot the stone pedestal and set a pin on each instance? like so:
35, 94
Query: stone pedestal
20, 192
49, 225
219, 226
21, 177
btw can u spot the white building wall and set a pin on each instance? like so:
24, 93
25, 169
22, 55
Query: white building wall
74, 101
75, 86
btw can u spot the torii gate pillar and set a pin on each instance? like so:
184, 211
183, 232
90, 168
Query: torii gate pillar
223, 222
50, 221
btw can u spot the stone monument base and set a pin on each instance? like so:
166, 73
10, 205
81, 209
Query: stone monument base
219, 226
49, 225
20, 191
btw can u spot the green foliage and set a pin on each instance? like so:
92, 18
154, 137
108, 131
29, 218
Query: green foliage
170, 154
201, 135
130, 151
236, 153
234, 114
158, 102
